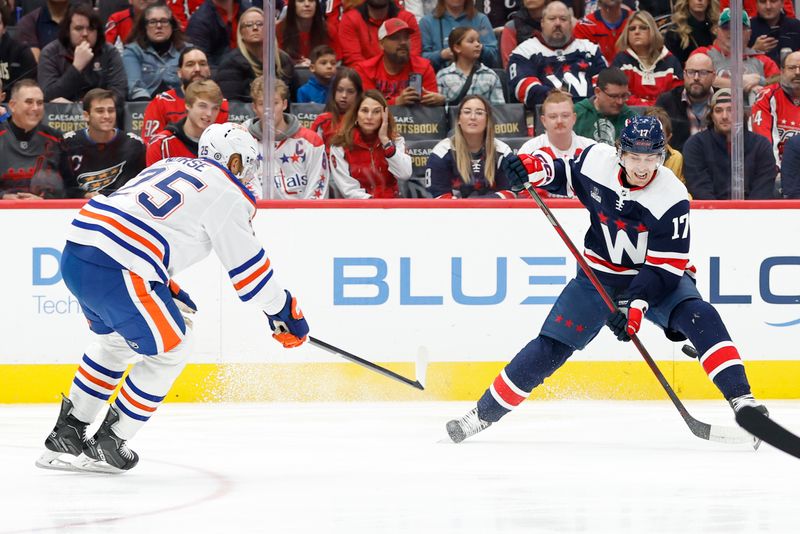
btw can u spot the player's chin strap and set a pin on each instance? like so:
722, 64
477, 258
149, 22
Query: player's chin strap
724, 434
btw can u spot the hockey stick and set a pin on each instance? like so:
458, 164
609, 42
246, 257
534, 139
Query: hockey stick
372, 366
702, 430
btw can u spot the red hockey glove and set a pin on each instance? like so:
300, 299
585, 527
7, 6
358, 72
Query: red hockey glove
526, 169
627, 320
289, 326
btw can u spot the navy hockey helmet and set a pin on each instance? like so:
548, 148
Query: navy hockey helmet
642, 135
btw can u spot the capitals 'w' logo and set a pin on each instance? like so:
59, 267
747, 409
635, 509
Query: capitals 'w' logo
622, 243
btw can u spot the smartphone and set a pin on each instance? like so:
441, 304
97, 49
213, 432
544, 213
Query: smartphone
415, 82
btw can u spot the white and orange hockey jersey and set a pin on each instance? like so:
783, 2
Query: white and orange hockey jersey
171, 216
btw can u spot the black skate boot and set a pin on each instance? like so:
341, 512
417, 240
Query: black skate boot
65, 442
105, 447
469, 425
748, 400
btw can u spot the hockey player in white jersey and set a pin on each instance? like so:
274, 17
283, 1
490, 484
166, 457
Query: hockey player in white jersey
637, 245
121, 254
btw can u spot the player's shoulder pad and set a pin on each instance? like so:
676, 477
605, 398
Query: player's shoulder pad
442, 148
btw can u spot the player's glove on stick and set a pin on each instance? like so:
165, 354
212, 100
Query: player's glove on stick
627, 320
184, 302
289, 326
524, 168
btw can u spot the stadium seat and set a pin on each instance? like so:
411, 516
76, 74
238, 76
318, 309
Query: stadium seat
508, 94
419, 151
64, 117
239, 111
420, 122
509, 120
301, 76
306, 112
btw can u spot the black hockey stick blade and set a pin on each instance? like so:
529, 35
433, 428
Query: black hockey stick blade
768, 430
364, 363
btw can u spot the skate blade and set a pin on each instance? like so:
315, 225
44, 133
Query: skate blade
89, 465
56, 461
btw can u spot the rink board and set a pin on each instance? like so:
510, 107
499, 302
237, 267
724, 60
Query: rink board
471, 282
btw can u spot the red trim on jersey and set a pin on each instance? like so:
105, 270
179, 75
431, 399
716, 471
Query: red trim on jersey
679, 264
604, 263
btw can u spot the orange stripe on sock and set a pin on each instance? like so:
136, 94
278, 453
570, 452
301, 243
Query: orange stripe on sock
148, 244
94, 380
169, 337
258, 272
136, 403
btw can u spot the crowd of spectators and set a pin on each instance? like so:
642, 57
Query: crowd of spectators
371, 95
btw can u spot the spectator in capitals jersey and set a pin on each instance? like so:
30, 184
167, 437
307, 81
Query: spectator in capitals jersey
30, 150
524, 22
449, 15
100, 158
359, 37
300, 165
707, 158
367, 156
39, 28
16, 59
151, 54
553, 59
603, 116
80, 60
773, 30
468, 164
604, 27
694, 25
346, 89
169, 106
688, 106
390, 71
776, 113
558, 118
651, 68
467, 67
203, 103
302, 30
757, 69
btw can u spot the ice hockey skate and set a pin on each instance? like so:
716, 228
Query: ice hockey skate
748, 400
65, 443
106, 452
469, 425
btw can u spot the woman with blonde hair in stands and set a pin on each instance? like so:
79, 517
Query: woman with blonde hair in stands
651, 69
367, 156
346, 88
466, 75
467, 165
694, 25
244, 63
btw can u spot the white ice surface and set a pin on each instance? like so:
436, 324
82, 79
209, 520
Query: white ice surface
571, 466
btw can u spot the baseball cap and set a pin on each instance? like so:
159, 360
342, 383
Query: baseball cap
725, 17
721, 96
391, 27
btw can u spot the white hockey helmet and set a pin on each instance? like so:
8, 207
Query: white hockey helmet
221, 141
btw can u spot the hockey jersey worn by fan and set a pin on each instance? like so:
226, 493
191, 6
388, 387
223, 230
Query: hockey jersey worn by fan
638, 236
443, 180
776, 116
534, 69
171, 142
579, 143
167, 108
646, 84
89, 167
170, 217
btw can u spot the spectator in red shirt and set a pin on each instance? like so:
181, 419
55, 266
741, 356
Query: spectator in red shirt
120, 24
750, 7
346, 88
203, 103
358, 30
302, 30
604, 26
391, 71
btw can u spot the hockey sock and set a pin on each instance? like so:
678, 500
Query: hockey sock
700, 322
98, 375
536, 361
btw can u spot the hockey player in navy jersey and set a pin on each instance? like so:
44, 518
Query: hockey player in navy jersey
121, 254
638, 246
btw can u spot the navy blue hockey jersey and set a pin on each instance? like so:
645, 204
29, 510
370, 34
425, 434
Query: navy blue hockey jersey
639, 236
534, 69
443, 180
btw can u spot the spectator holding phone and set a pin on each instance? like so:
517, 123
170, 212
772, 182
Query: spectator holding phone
773, 31
402, 77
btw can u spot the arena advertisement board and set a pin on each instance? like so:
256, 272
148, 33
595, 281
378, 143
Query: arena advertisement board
468, 284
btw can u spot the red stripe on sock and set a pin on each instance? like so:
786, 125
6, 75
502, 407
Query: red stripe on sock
506, 392
714, 360
136, 403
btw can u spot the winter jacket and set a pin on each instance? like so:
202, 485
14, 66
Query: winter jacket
208, 32
699, 37
313, 91
58, 78
364, 170
707, 167
147, 71
235, 74
16, 62
787, 32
